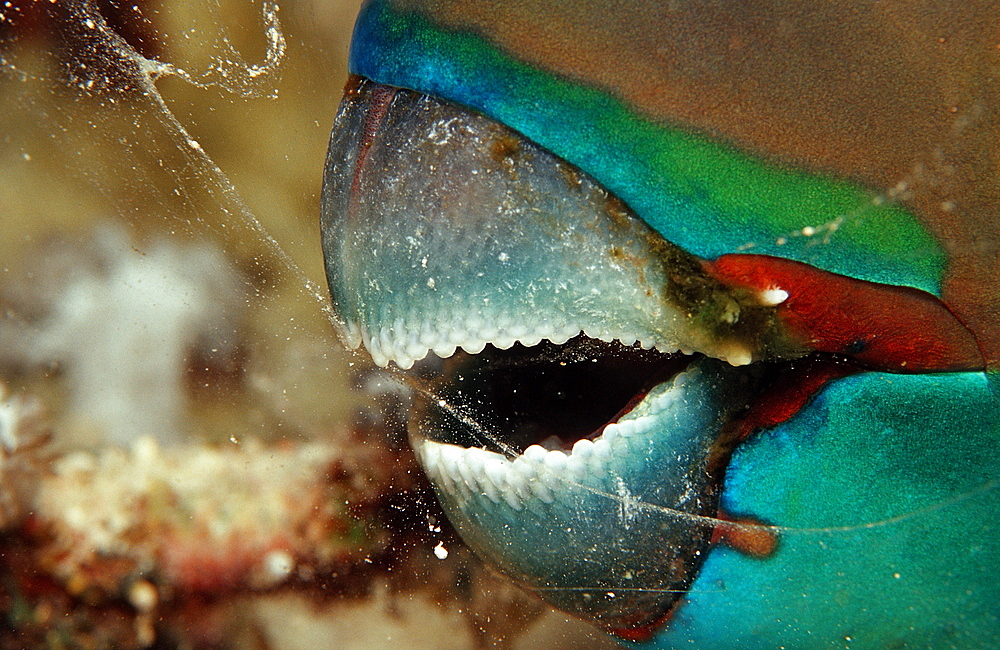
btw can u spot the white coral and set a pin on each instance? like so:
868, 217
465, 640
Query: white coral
122, 329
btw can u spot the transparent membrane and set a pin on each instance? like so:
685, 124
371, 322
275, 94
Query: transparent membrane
180, 149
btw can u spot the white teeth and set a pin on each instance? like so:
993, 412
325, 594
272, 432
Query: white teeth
473, 334
616, 434
541, 490
517, 331
414, 349
489, 331
583, 448
513, 499
496, 471
352, 332
378, 357
602, 449
555, 460
450, 460
610, 433
427, 335
490, 490
504, 341
385, 342
529, 341
539, 476
626, 428
534, 475
562, 337
525, 471
535, 453
576, 467
445, 350
468, 472
516, 482
474, 347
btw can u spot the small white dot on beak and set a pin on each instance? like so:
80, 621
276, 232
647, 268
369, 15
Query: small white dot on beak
772, 297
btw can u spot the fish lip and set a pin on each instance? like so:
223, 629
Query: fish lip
576, 527
444, 230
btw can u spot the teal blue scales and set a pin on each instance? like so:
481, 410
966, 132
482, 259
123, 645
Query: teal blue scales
886, 490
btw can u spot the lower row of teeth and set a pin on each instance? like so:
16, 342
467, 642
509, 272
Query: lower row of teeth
468, 472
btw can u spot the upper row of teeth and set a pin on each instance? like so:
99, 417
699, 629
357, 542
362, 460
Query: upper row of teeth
386, 346
537, 472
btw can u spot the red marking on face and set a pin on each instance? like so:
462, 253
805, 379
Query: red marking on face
645, 632
745, 534
636, 635
881, 327
790, 392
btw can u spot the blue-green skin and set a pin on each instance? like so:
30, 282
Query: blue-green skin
868, 450
886, 487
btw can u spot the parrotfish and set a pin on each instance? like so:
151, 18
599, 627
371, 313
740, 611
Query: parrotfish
682, 371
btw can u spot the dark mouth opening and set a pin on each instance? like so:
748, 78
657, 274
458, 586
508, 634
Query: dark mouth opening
547, 394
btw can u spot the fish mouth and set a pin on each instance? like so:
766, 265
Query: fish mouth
547, 395
609, 522
577, 376
589, 472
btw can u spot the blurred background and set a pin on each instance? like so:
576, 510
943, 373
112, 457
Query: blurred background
188, 456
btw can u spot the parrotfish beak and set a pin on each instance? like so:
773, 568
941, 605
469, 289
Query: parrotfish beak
583, 381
